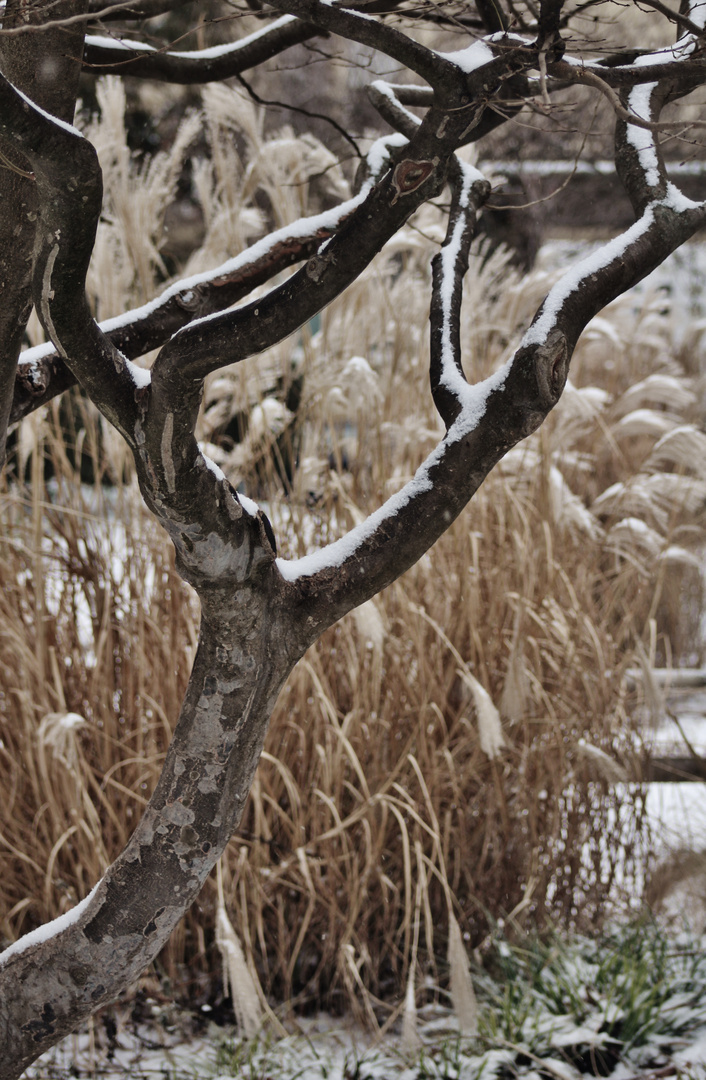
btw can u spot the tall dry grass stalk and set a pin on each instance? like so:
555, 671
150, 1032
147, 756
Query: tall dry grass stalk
431, 764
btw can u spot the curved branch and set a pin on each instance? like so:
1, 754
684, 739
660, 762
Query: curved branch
496, 415
361, 27
683, 21
390, 102
575, 73
380, 210
677, 64
69, 188
108, 56
69, 20
208, 344
638, 158
449, 385
179, 485
55, 84
384, 98
42, 374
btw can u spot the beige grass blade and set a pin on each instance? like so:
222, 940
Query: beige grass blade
238, 980
463, 996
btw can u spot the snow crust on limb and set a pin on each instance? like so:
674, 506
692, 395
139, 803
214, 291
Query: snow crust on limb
475, 399
471, 58
47, 116
213, 53
140, 376
571, 280
249, 505
185, 287
48, 930
303, 227
640, 138
451, 376
387, 91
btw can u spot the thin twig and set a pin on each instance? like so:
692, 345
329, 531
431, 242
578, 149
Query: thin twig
298, 109
588, 78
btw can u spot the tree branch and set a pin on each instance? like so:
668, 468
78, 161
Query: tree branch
676, 17
63, 161
78, 20
384, 98
575, 73
56, 91
42, 374
106, 56
638, 158
431, 66
449, 386
496, 415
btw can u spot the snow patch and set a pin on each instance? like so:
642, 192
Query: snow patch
386, 90
212, 53
49, 930
451, 375
215, 469
48, 116
470, 59
379, 152
640, 138
249, 505
140, 376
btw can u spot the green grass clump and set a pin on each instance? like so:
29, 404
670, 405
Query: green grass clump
557, 1009
631, 995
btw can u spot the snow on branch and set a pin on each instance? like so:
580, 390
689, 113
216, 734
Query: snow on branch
641, 139
50, 929
147, 327
112, 55
449, 386
47, 116
391, 515
616, 266
367, 30
68, 181
383, 97
223, 338
490, 417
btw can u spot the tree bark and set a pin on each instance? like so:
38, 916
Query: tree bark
46, 65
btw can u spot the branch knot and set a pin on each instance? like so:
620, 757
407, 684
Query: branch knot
410, 175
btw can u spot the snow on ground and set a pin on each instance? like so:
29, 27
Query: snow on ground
546, 1046
678, 811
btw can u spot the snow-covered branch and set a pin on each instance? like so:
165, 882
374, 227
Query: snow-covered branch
494, 414
449, 385
41, 373
69, 187
367, 30
113, 55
